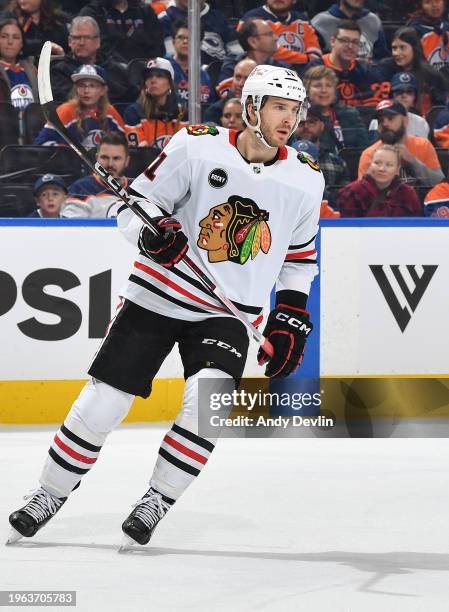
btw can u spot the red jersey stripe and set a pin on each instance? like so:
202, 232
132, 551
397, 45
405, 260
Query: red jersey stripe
175, 286
301, 255
73, 453
183, 449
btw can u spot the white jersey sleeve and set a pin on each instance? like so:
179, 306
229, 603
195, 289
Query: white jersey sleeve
165, 182
300, 264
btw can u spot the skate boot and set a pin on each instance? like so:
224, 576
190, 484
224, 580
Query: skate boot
27, 521
147, 513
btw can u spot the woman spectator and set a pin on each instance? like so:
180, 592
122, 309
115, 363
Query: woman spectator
345, 127
408, 56
40, 21
380, 192
18, 78
156, 116
232, 115
430, 22
88, 114
128, 28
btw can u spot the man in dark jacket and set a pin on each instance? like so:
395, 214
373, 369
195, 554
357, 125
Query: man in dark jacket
84, 43
128, 29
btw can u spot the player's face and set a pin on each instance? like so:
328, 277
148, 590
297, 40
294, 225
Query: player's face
50, 199
213, 232
406, 97
310, 129
345, 45
278, 118
113, 158
84, 42
384, 167
157, 83
322, 92
181, 42
11, 43
232, 116
433, 8
89, 92
402, 53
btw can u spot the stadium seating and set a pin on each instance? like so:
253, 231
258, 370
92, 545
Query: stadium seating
33, 122
9, 124
25, 163
140, 158
16, 200
351, 156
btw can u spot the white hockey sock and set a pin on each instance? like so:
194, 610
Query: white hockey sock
183, 453
76, 446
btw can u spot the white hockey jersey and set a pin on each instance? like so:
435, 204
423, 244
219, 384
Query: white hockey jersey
249, 225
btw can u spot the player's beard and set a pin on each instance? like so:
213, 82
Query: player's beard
392, 137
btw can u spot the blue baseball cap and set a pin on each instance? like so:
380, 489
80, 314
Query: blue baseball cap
89, 71
49, 179
404, 80
305, 146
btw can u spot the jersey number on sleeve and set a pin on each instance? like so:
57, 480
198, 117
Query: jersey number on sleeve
150, 172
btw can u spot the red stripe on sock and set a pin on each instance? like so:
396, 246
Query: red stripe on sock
73, 453
183, 449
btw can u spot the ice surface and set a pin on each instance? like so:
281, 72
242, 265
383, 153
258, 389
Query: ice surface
338, 525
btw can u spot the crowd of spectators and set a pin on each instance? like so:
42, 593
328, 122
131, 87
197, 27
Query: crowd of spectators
376, 74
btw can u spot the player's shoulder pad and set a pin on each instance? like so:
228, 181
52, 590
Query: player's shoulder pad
202, 130
305, 158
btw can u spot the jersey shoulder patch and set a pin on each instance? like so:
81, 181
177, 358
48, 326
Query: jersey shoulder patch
202, 130
304, 158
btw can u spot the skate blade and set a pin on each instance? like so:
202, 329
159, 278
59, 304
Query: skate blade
14, 536
127, 544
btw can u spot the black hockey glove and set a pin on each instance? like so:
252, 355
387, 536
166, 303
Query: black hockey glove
169, 247
287, 329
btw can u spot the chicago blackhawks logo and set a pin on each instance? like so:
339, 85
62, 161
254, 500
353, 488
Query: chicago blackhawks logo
234, 231
202, 130
304, 158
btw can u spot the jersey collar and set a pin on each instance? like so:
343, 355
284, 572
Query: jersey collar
327, 62
281, 154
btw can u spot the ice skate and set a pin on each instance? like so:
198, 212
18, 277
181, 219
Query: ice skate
140, 524
27, 521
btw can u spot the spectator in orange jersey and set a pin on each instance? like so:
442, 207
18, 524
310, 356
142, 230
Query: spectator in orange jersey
380, 192
419, 161
88, 114
156, 116
430, 22
436, 202
297, 40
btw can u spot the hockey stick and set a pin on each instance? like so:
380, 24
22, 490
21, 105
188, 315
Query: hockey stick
130, 198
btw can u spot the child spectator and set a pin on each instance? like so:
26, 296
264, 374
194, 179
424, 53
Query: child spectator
380, 192
88, 115
156, 116
50, 192
18, 77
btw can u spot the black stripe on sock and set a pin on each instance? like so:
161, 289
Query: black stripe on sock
193, 438
64, 464
71, 436
185, 467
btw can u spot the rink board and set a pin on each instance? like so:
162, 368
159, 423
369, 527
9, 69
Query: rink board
384, 290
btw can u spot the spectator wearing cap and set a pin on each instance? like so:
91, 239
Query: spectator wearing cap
296, 38
218, 38
311, 130
380, 192
419, 161
180, 63
259, 43
345, 126
242, 70
357, 80
50, 192
373, 44
84, 43
88, 114
404, 89
430, 22
157, 115
128, 28
88, 197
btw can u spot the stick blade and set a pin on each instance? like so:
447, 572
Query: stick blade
43, 74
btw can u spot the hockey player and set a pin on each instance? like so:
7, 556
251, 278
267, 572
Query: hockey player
247, 207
